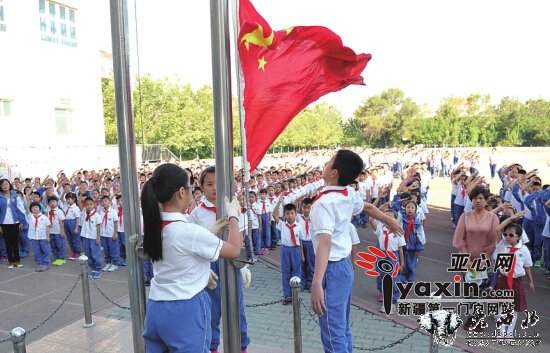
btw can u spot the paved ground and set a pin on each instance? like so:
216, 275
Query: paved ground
27, 297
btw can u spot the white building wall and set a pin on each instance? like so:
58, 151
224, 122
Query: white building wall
39, 76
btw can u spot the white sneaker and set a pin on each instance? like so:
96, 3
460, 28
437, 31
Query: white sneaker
113, 268
106, 268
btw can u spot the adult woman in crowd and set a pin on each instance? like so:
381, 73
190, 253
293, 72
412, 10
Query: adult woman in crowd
12, 212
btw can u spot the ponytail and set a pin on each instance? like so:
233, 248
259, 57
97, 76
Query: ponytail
166, 181
152, 223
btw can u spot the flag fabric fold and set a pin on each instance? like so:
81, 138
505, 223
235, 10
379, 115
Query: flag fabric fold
284, 71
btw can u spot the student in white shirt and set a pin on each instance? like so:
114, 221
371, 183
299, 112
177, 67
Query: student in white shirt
308, 260
178, 311
72, 222
292, 253
264, 212
90, 234
109, 235
521, 266
39, 235
333, 278
205, 216
57, 232
274, 231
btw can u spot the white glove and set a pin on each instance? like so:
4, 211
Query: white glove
212, 284
233, 208
247, 276
219, 226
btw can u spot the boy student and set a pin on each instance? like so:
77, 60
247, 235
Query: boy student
109, 236
91, 237
120, 231
57, 232
274, 231
39, 234
333, 278
292, 253
308, 260
255, 226
265, 210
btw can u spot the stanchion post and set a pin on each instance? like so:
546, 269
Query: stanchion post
434, 348
86, 292
17, 337
295, 286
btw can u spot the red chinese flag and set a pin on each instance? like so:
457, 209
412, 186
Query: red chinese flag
284, 71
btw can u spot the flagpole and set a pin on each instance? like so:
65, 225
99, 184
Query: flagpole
223, 139
242, 115
128, 167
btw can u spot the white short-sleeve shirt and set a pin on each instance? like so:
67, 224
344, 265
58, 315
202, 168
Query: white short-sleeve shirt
72, 212
522, 255
260, 206
38, 226
58, 215
306, 224
286, 238
108, 220
89, 224
331, 213
204, 215
353, 234
187, 250
394, 241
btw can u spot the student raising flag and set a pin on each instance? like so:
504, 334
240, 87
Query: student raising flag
284, 71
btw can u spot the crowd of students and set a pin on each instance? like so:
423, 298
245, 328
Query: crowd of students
292, 206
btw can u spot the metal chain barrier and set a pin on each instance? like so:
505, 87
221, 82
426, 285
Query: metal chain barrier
107, 298
399, 341
264, 304
52, 314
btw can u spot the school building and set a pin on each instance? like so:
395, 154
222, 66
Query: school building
50, 73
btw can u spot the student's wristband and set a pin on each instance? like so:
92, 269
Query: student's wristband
235, 218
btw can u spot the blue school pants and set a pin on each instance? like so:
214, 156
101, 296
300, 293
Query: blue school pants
274, 234
58, 245
111, 250
216, 299
24, 244
41, 250
256, 242
122, 243
335, 322
266, 231
364, 218
3, 251
308, 266
148, 270
178, 325
395, 280
453, 198
529, 227
493, 170
74, 241
546, 247
93, 252
458, 211
409, 272
291, 265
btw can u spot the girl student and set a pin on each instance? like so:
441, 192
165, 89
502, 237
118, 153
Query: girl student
72, 225
415, 239
178, 315
205, 216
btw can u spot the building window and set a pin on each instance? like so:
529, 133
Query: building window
63, 121
2, 20
5, 107
57, 23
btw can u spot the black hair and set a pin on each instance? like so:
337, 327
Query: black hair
536, 183
307, 201
252, 193
52, 198
349, 165
289, 207
6, 180
70, 195
479, 191
35, 193
105, 197
522, 171
516, 227
166, 181
209, 170
89, 198
34, 204
263, 191
197, 189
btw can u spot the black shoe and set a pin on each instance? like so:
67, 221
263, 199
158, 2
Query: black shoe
287, 301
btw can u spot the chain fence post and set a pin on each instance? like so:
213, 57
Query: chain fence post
17, 336
88, 322
295, 285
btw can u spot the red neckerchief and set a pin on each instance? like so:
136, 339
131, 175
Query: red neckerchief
277, 195
263, 207
343, 192
410, 227
120, 215
292, 235
271, 199
89, 215
307, 224
386, 233
105, 217
36, 218
243, 210
67, 212
165, 223
463, 193
52, 215
510, 279
286, 193
212, 209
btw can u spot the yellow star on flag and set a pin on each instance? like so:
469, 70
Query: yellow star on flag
261, 63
